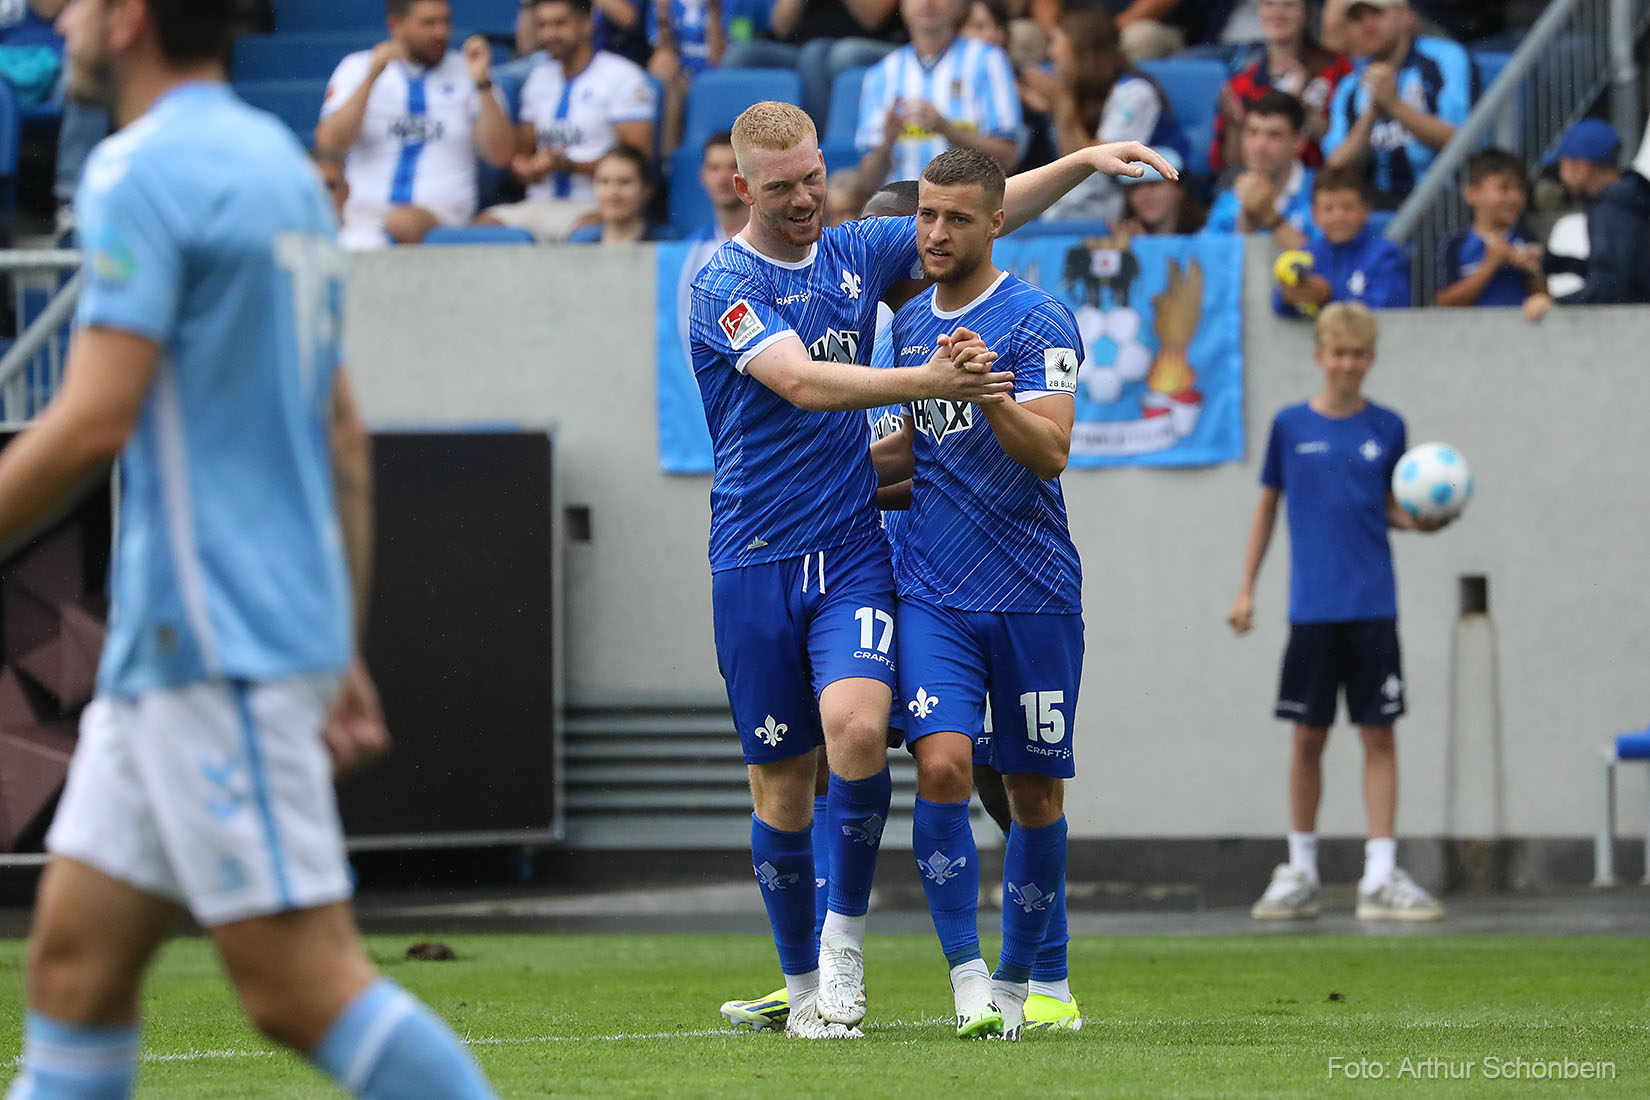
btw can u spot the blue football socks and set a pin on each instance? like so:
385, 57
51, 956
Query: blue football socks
74, 1062
949, 864
822, 861
385, 1045
858, 810
1034, 871
784, 864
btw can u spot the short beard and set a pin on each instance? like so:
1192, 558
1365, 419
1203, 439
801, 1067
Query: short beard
963, 268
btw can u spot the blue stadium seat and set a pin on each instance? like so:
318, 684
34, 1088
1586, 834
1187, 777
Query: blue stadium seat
689, 206
297, 56
843, 119
1488, 65
477, 234
483, 16
1192, 85
11, 139
329, 15
295, 102
1076, 227
717, 96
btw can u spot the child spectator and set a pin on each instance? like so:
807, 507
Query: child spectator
1097, 95
1350, 262
1293, 62
1494, 263
1154, 206
1274, 192
624, 186
1618, 220
1332, 459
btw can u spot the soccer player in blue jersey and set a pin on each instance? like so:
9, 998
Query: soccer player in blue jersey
206, 356
802, 588
1331, 458
990, 585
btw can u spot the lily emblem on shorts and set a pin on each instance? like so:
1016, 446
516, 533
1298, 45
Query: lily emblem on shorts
923, 705
772, 732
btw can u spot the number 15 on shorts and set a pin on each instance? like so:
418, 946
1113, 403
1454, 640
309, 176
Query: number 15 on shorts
1044, 722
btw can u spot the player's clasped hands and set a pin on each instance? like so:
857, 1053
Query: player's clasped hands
961, 370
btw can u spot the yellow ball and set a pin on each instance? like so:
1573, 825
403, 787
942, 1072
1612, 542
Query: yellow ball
1292, 267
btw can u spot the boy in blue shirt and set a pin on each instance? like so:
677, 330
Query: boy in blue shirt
1350, 261
1494, 263
1333, 457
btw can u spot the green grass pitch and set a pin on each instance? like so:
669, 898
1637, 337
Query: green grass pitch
635, 1016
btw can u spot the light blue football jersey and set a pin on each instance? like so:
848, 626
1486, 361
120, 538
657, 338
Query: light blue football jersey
790, 482
985, 533
207, 232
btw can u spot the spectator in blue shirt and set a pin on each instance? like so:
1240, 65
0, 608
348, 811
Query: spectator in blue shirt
1400, 104
624, 186
1618, 220
1349, 261
1273, 193
1494, 263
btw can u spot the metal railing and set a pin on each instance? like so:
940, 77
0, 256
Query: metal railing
1575, 51
32, 366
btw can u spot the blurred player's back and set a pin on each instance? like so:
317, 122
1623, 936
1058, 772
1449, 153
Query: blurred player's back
209, 233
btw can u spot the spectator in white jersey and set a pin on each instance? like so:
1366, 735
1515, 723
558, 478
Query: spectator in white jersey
939, 92
411, 115
577, 104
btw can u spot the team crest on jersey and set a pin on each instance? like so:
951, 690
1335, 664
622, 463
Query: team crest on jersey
941, 418
1060, 369
740, 324
836, 346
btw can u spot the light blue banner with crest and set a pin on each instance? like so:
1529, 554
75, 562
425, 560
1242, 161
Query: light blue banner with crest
1162, 324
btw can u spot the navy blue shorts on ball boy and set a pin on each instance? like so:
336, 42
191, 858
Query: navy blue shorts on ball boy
1323, 658
787, 630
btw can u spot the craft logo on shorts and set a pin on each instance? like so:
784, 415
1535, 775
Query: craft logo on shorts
741, 324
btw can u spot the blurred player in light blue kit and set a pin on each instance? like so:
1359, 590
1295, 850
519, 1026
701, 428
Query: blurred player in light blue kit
990, 584
207, 357
802, 587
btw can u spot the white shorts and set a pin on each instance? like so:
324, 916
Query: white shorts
548, 221
217, 795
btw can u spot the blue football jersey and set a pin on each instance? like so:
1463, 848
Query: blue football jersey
207, 232
790, 482
886, 419
985, 533
1335, 474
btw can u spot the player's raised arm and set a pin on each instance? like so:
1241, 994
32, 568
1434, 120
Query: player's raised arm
1030, 193
785, 367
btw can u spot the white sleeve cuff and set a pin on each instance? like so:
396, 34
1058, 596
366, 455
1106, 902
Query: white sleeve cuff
758, 348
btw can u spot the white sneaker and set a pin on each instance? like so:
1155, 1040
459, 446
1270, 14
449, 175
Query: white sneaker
1398, 898
841, 980
1292, 895
806, 1023
1010, 998
977, 1014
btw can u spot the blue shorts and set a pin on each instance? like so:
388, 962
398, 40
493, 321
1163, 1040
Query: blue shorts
1027, 666
787, 630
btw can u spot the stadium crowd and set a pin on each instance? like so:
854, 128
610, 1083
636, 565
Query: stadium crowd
573, 120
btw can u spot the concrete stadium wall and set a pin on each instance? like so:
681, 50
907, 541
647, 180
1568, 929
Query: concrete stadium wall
1176, 734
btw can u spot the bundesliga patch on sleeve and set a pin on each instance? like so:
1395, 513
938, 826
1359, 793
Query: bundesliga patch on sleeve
741, 324
1060, 369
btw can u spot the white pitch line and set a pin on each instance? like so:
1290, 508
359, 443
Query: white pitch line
1113, 1026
